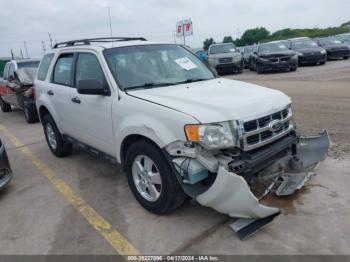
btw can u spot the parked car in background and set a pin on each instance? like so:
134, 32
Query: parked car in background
247, 52
335, 48
273, 56
5, 169
202, 54
345, 38
308, 51
225, 58
16, 88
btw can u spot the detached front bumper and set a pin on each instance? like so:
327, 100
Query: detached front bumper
5, 169
235, 194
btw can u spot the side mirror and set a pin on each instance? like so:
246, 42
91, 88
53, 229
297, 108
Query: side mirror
92, 87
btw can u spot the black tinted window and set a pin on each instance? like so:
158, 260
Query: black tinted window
88, 67
11, 73
44, 66
63, 70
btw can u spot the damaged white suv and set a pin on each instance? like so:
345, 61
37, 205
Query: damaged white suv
176, 128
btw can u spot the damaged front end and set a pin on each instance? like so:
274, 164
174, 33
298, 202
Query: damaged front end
233, 180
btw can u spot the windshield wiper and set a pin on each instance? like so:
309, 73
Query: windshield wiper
191, 81
148, 86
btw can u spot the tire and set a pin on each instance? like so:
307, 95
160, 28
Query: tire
322, 63
5, 107
169, 194
259, 69
30, 114
346, 57
293, 69
60, 148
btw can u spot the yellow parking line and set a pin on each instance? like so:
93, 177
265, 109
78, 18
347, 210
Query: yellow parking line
113, 237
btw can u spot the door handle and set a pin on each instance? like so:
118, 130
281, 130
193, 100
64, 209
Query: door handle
50, 93
76, 100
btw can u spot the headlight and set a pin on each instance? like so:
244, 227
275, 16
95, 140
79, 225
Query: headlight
323, 51
212, 136
295, 56
299, 53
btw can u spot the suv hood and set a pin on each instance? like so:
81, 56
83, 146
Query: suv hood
223, 55
277, 53
310, 50
217, 100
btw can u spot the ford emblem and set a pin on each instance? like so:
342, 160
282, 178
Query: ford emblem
275, 125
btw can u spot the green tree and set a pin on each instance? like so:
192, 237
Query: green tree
207, 42
228, 39
255, 35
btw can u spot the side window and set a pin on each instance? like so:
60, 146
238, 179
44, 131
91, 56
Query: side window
62, 73
88, 67
6, 70
11, 74
44, 66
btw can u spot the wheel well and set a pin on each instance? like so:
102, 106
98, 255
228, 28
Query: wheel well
43, 111
128, 141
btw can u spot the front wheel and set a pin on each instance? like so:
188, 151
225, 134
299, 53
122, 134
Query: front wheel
346, 57
151, 179
5, 107
54, 139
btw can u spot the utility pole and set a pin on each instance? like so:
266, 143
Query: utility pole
21, 53
43, 44
50, 40
174, 36
110, 21
25, 48
12, 54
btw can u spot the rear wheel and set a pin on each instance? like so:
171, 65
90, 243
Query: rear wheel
346, 57
293, 69
151, 179
322, 63
5, 107
54, 139
30, 113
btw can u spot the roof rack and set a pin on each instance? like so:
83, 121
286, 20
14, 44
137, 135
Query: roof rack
88, 41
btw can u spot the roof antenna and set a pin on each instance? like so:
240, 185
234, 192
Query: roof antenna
110, 22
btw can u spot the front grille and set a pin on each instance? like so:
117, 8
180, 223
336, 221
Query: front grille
225, 60
279, 59
257, 132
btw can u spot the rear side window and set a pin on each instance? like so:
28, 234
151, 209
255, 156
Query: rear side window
44, 66
88, 67
63, 70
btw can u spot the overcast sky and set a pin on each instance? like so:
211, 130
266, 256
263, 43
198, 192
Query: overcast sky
32, 20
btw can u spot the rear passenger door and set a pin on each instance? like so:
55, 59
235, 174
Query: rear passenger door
60, 90
91, 115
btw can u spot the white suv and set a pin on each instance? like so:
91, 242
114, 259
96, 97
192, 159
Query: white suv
176, 129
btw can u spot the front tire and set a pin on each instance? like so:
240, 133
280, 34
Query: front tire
346, 57
151, 179
5, 107
54, 139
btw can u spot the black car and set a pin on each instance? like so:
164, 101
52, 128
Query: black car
334, 47
345, 38
273, 56
5, 169
309, 52
247, 52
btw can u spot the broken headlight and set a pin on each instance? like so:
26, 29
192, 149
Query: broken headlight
211, 136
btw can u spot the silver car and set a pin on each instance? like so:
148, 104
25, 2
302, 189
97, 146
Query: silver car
225, 58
